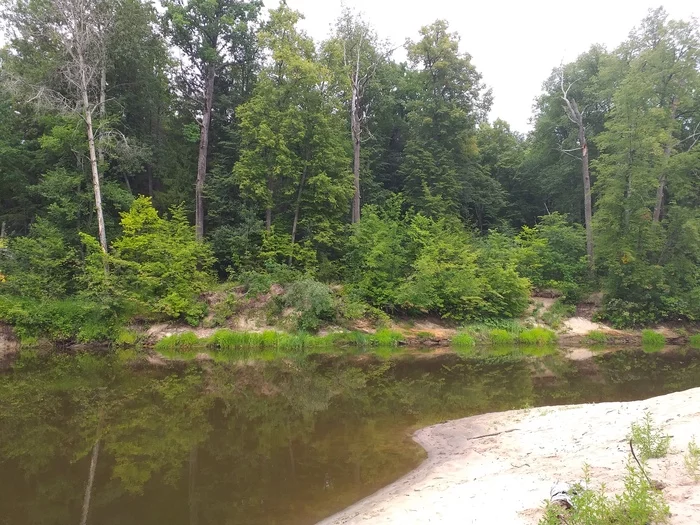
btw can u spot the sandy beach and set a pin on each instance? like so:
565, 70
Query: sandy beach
498, 468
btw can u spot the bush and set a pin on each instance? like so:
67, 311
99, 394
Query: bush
61, 321
156, 263
40, 265
313, 303
648, 439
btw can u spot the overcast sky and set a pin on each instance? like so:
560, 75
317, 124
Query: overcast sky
514, 44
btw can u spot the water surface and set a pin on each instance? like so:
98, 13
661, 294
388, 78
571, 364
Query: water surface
283, 442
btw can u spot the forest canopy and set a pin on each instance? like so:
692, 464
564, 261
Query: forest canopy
147, 154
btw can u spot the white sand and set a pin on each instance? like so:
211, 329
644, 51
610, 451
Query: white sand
472, 478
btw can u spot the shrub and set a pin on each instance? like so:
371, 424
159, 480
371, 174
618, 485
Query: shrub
156, 262
692, 460
649, 440
126, 337
313, 303
537, 336
652, 339
638, 504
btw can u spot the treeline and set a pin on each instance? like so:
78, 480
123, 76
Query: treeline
327, 162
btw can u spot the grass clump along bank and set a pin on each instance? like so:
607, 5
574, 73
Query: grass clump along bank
503, 333
695, 341
652, 339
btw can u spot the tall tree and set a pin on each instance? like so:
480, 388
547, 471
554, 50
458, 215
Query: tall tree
73, 33
206, 32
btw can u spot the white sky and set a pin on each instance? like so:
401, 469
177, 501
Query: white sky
514, 44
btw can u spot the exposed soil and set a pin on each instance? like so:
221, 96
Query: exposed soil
498, 468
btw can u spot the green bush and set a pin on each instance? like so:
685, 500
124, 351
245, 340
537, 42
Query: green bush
61, 321
649, 440
537, 336
313, 303
40, 265
156, 263
652, 339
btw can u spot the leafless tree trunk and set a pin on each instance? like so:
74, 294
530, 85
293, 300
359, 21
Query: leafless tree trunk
574, 114
297, 205
203, 150
356, 128
91, 481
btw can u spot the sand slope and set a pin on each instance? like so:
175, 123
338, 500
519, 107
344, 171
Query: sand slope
498, 468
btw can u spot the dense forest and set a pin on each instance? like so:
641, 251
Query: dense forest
148, 155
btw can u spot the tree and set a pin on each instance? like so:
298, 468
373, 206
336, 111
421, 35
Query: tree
207, 32
73, 34
356, 48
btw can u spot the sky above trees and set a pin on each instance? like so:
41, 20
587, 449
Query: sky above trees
514, 44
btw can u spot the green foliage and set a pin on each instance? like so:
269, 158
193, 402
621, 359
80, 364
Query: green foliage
538, 336
313, 304
178, 342
558, 313
695, 341
638, 504
156, 263
126, 337
386, 338
40, 265
692, 460
59, 320
653, 339
649, 440
597, 337
498, 336
463, 340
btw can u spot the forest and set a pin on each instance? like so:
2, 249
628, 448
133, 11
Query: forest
154, 155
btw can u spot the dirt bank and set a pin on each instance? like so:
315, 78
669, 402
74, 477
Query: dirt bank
498, 468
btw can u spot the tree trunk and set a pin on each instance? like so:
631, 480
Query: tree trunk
296, 209
587, 202
91, 480
356, 132
662, 186
96, 186
103, 108
268, 209
203, 149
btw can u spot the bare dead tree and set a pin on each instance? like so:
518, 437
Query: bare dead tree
78, 28
573, 112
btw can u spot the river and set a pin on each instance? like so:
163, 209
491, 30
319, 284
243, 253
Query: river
107, 439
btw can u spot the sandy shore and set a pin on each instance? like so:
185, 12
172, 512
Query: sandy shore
498, 468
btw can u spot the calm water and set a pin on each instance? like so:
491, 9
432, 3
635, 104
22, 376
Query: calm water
263, 443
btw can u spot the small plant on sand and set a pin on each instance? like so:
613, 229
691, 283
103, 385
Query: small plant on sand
638, 504
652, 339
692, 459
695, 341
648, 439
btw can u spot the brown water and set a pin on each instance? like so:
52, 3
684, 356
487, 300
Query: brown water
285, 442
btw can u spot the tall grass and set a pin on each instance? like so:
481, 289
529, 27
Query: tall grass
695, 341
652, 339
503, 333
537, 336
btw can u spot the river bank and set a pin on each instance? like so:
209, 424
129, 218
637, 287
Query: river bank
499, 467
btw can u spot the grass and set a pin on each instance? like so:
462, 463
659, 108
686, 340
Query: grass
242, 343
639, 504
503, 333
597, 337
692, 460
695, 341
537, 336
648, 439
652, 339
501, 337
463, 340
557, 314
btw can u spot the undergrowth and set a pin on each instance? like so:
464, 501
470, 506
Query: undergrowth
638, 504
649, 440
652, 339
